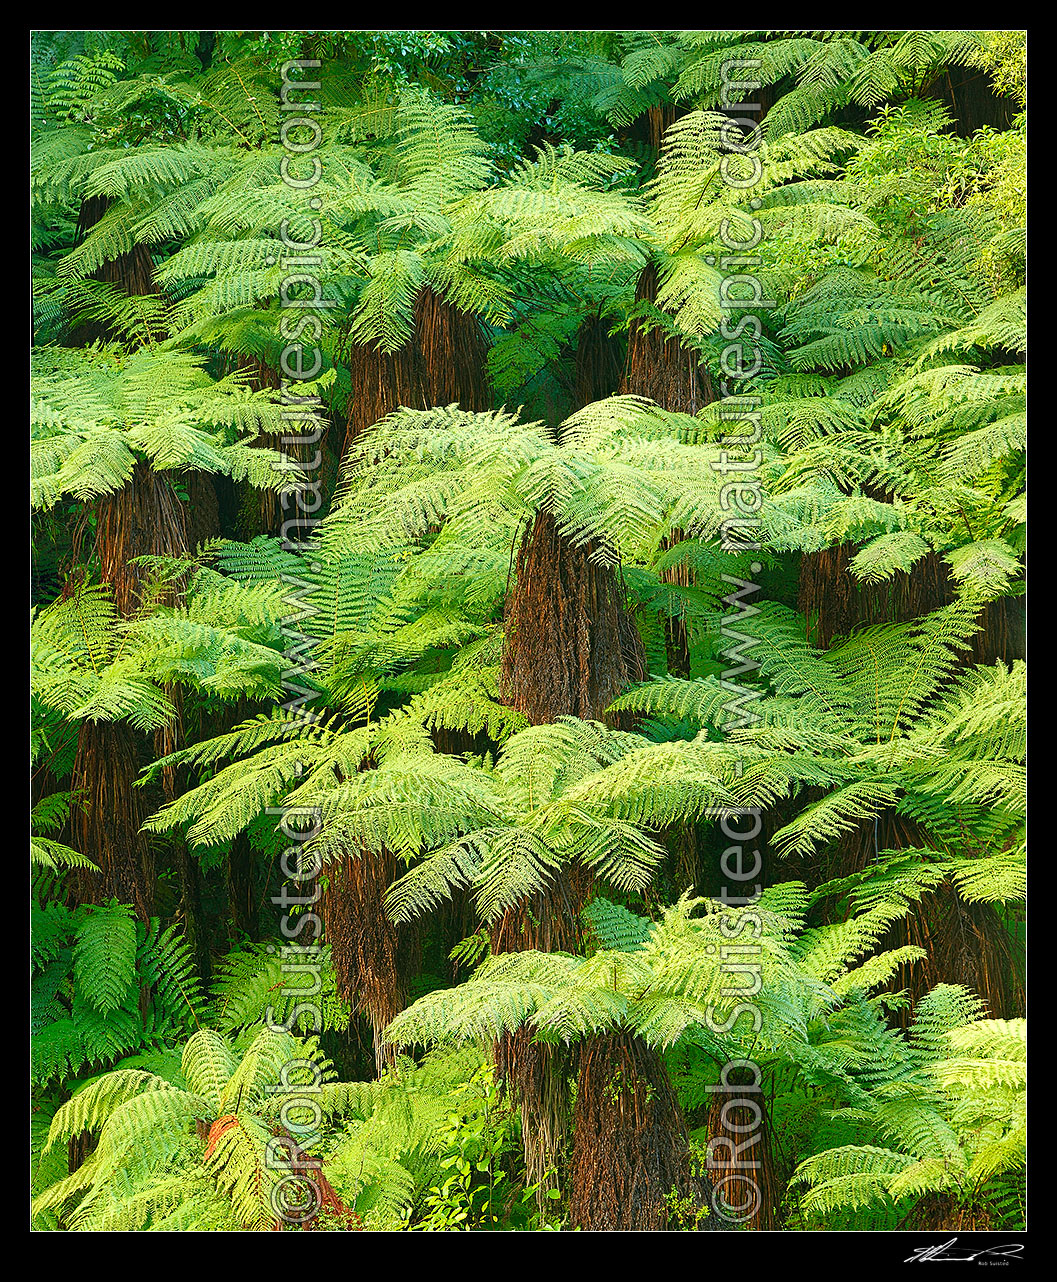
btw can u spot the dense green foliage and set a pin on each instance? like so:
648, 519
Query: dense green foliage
451, 597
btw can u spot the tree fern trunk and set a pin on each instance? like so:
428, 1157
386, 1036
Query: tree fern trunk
452, 352
259, 511
571, 646
598, 364
188, 870
630, 1147
105, 825
742, 1151
194, 921
367, 950
966, 943
834, 602
443, 364
649, 126
538, 1074
144, 517
132, 272
659, 367
537, 1077
570, 649
941, 1212
666, 371
242, 892
203, 509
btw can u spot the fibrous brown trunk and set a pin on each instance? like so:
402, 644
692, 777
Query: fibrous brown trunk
203, 509
105, 825
630, 1148
571, 646
143, 518
676, 631
191, 909
966, 943
451, 352
260, 511
660, 367
242, 894
972, 100
834, 602
658, 118
366, 948
173, 781
290, 513
132, 272
666, 371
443, 364
380, 383
598, 368
941, 1212
741, 1158
535, 1073
550, 921
683, 868
648, 128
537, 1077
